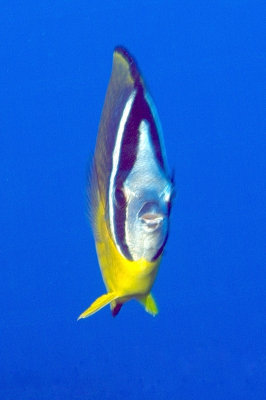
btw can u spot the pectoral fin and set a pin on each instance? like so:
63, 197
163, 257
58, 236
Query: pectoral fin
149, 304
99, 303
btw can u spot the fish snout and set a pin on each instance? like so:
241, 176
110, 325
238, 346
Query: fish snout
151, 216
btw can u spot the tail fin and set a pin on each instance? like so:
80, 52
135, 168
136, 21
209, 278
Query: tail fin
149, 304
99, 303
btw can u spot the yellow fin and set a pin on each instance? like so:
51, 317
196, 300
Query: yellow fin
99, 303
150, 304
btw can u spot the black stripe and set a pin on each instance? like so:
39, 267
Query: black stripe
140, 111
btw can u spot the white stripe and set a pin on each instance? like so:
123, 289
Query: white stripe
116, 154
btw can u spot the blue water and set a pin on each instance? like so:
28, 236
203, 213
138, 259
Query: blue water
204, 64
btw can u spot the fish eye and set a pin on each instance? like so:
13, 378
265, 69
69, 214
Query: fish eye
120, 199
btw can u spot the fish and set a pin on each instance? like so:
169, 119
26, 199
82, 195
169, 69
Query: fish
130, 192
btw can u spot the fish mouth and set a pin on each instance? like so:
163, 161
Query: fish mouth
152, 221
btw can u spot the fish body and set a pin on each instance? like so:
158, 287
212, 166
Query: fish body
130, 190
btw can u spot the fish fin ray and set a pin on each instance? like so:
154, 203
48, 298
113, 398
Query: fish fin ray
149, 304
99, 303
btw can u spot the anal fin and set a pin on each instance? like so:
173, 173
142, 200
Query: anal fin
99, 303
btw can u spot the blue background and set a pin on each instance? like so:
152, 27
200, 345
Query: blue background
204, 63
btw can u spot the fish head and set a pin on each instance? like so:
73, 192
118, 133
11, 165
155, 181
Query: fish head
138, 188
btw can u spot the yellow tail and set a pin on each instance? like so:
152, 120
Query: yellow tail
99, 303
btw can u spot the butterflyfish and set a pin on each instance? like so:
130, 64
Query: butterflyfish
130, 191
